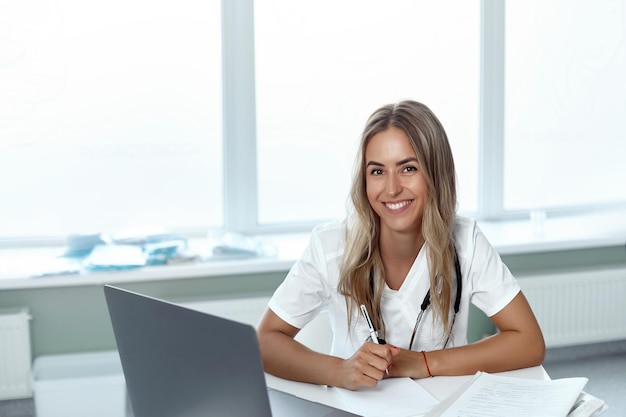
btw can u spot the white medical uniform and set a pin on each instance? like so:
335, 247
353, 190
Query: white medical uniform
311, 287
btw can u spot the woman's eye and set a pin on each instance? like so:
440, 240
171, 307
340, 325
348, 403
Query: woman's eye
409, 169
376, 171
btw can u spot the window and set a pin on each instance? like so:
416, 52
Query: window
246, 115
110, 116
565, 104
323, 67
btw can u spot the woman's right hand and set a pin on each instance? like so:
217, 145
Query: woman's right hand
366, 367
287, 358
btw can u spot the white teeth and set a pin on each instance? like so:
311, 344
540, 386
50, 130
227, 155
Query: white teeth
396, 206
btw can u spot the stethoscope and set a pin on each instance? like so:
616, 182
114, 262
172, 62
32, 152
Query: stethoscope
426, 303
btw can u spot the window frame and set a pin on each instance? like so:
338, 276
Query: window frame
239, 111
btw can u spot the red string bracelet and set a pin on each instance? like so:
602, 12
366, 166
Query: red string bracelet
426, 362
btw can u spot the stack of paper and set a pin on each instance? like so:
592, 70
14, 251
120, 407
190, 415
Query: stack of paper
487, 395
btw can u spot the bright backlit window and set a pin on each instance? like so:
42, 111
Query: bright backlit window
246, 115
110, 116
565, 104
323, 67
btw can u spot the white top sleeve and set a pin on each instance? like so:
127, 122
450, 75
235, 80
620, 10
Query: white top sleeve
305, 291
492, 286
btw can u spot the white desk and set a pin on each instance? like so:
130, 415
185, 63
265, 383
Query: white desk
440, 386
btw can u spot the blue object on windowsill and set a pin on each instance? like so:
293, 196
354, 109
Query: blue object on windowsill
115, 258
80, 246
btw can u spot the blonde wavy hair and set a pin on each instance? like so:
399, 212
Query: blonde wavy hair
361, 276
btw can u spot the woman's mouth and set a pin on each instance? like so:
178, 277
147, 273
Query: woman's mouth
398, 205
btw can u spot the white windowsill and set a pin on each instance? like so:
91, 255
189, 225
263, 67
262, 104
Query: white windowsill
607, 228
509, 238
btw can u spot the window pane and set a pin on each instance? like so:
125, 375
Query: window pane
323, 67
110, 116
565, 103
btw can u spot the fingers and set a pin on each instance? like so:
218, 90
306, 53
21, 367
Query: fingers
394, 354
372, 365
369, 365
386, 352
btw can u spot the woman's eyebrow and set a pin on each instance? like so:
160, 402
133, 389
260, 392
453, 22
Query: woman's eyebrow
399, 163
406, 161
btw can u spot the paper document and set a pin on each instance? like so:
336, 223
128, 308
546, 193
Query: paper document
488, 395
587, 406
393, 397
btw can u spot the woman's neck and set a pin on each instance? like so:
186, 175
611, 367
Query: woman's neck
398, 253
400, 246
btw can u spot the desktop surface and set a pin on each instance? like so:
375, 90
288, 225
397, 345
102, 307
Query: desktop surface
441, 387
96, 396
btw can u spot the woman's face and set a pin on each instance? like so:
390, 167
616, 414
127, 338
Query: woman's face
395, 184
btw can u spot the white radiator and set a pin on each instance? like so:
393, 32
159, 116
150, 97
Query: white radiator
579, 307
15, 354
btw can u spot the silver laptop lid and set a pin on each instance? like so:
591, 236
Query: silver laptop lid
184, 363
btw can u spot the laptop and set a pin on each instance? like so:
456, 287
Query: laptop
180, 362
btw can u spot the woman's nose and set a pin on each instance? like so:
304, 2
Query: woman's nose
393, 185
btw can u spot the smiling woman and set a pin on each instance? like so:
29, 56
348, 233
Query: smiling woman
394, 136
402, 243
